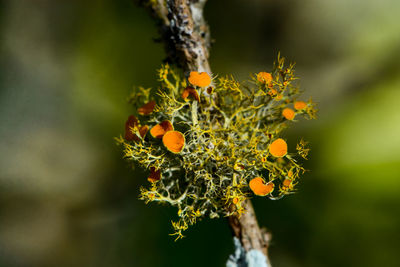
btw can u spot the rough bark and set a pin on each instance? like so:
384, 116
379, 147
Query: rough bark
247, 230
184, 32
187, 40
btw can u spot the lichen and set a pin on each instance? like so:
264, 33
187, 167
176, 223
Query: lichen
219, 137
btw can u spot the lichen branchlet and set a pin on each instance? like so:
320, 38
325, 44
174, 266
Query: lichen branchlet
211, 143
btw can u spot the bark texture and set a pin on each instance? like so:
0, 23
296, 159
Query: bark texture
184, 32
247, 230
187, 40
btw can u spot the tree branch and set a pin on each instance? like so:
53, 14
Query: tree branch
187, 40
247, 230
184, 32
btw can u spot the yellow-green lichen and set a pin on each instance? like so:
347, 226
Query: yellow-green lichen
227, 136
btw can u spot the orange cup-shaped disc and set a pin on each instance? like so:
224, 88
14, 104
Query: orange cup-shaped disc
287, 183
174, 141
259, 188
299, 105
201, 79
160, 129
288, 113
278, 148
264, 77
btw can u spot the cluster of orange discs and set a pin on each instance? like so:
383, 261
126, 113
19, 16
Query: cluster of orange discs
289, 113
173, 140
278, 148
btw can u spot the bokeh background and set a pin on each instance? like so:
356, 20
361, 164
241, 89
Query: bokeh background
66, 70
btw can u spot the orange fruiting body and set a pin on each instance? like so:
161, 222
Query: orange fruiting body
259, 188
299, 105
174, 141
287, 183
264, 77
130, 124
201, 79
272, 92
278, 148
160, 129
147, 108
189, 91
154, 176
288, 113
235, 200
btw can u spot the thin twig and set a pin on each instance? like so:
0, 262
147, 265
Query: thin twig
187, 40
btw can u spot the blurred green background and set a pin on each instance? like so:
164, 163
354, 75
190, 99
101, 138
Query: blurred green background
68, 199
